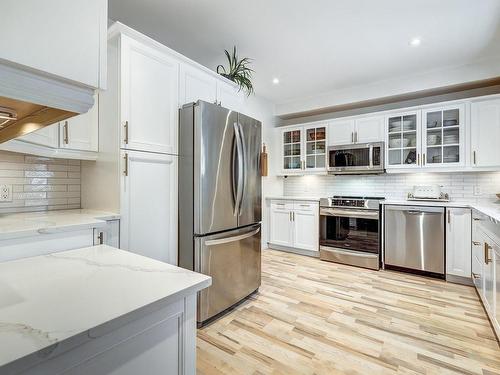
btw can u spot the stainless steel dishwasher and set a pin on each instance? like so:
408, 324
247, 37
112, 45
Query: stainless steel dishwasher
414, 238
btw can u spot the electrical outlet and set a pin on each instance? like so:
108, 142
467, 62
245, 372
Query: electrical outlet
5, 193
477, 190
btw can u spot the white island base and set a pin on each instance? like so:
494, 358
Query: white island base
97, 311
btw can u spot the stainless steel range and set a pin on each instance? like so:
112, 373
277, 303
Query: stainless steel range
350, 230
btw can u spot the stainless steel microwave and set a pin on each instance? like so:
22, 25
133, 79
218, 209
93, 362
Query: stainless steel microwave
359, 158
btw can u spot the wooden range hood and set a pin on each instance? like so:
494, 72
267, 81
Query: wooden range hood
18, 118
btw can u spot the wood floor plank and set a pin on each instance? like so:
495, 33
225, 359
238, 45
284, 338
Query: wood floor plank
314, 317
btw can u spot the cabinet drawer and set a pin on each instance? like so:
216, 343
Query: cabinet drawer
306, 206
281, 205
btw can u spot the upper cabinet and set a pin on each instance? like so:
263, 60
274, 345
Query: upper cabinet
485, 133
66, 39
359, 130
229, 97
428, 138
304, 148
148, 97
195, 85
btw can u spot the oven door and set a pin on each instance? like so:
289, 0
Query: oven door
360, 158
350, 236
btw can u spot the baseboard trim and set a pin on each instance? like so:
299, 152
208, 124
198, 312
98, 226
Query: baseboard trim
310, 253
459, 280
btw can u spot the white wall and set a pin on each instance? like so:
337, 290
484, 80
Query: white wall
263, 110
460, 186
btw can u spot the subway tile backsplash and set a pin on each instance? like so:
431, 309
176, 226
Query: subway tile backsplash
460, 186
39, 183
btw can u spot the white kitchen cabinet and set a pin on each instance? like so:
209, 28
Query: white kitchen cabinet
369, 129
81, 132
458, 242
294, 225
403, 138
356, 130
443, 132
57, 37
149, 205
341, 132
306, 226
47, 136
149, 99
195, 85
489, 275
485, 133
229, 97
304, 148
281, 232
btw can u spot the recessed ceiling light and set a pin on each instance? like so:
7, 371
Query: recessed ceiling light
415, 42
276, 81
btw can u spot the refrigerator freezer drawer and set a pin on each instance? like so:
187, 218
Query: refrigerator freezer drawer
414, 238
233, 260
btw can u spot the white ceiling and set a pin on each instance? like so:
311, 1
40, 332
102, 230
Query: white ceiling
318, 46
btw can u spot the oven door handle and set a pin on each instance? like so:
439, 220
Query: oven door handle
360, 214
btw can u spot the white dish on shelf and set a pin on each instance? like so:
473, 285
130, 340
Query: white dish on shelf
395, 143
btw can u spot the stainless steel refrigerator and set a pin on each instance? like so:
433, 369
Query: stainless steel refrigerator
220, 203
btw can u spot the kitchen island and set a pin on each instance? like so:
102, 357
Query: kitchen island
97, 310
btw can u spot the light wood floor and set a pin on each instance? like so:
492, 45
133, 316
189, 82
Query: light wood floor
314, 317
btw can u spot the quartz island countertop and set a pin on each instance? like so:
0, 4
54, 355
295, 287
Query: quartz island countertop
18, 225
51, 303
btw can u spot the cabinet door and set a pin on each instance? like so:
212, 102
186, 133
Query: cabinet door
149, 98
443, 136
315, 147
149, 205
292, 149
229, 97
403, 140
47, 136
485, 133
196, 85
341, 132
370, 129
306, 226
458, 242
280, 228
81, 132
478, 276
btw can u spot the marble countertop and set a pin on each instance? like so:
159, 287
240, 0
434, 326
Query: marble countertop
51, 303
27, 224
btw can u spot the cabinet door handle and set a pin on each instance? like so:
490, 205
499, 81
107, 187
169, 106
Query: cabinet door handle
66, 133
476, 219
486, 253
356, 137
352, 137
125, 138
290, 215
100, 237
475, 276
449, 217
474, 157
475, 243
423, 159
125, 170
293, 216
418, 159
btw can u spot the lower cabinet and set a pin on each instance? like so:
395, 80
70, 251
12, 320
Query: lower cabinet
148, 205
458, 239
294, 225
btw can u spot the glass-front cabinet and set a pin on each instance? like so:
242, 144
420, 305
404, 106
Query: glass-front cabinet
430, 138
442, 136
304, 148
403, 140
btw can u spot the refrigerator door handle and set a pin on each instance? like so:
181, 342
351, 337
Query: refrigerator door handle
244, 169
232, 239
239, 185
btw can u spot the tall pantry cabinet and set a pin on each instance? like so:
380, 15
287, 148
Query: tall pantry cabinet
136, 170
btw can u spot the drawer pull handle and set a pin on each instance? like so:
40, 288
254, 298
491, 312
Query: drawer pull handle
475, 243
475, 276
487, 258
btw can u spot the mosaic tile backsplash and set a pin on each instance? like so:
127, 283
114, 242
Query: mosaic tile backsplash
39, 183
460, 186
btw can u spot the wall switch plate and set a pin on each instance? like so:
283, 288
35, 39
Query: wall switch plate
477, 190
5, 193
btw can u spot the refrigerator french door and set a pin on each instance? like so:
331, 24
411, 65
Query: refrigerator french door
219, 202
